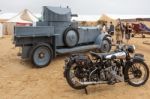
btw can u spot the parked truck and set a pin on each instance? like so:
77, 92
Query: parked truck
57, 34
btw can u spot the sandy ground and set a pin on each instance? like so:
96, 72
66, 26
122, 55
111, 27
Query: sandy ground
20, 80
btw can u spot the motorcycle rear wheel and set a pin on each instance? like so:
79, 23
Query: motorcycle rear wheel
69, 79
134, 73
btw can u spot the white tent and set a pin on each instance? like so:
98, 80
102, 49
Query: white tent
24, 18
87, 18
6, 16
1, 30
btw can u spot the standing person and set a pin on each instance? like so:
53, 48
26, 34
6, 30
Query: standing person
104, 28
122, 27
111, 29
123, 30
128, 30
118, 32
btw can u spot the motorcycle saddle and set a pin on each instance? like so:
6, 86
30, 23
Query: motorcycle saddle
99, 55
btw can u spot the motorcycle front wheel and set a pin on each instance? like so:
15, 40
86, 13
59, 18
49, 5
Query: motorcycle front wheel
71, 78
137, 74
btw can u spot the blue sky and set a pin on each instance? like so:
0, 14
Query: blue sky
90, 7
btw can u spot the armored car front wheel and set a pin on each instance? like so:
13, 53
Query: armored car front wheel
105, 45
41, 56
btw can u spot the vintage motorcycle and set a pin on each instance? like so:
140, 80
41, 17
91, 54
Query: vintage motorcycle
123, 64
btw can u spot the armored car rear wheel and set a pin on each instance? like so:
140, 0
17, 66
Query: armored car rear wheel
71, 37
41, 56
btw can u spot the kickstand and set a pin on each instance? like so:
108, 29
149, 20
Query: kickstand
86, 92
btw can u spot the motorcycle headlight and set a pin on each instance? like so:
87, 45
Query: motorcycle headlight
131, 49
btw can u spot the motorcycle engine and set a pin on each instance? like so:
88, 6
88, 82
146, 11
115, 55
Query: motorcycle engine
83, 64
86, 70
111, 71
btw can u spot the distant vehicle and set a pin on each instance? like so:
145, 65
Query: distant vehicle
56, 34
140, 29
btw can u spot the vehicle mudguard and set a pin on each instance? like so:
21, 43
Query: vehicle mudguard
100, 38
75, 58
130, 62
135, 58
138, 58
68, 62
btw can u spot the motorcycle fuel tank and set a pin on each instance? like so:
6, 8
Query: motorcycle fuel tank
117, 55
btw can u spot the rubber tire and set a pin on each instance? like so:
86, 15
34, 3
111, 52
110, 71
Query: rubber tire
143, 36
132, 35
46, 64
65, 34
109, 44
127, 77
70, 82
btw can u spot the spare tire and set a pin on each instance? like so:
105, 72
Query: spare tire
71, 37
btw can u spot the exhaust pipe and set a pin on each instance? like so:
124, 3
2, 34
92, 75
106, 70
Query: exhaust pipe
100, 82
93, 83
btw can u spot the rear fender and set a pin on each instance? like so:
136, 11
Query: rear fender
75, 58
68, 62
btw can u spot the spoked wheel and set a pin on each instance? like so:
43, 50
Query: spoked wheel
137, 74
73, 75
42, 56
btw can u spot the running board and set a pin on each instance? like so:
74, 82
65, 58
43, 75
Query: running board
76, 49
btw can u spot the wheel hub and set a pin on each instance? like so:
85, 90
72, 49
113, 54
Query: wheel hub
78, 74
137, 73
71, 38
105, 46
41, 55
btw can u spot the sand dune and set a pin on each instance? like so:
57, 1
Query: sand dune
20, 80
